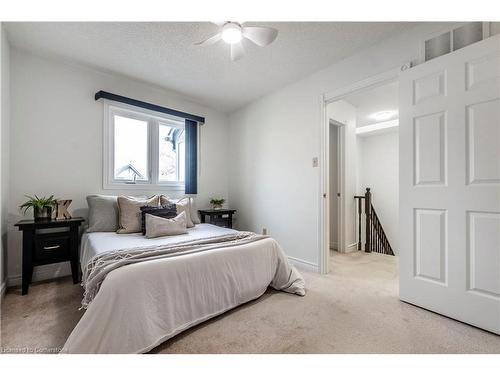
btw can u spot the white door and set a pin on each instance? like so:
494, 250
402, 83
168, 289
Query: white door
450, 185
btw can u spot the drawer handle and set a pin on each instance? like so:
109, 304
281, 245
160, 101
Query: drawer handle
51, 247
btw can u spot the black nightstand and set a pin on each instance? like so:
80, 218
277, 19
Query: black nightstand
46, 247
221, 218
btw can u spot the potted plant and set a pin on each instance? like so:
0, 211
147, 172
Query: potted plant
217, 203
42, 207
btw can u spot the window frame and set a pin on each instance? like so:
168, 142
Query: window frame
449, 29
153, 119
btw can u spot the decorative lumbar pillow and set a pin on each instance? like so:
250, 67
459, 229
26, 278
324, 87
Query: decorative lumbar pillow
103, 213
158, 226
192, 215
167, 211
129, 209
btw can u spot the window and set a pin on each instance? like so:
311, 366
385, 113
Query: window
143, 149
456, 37
131, 149
172, 150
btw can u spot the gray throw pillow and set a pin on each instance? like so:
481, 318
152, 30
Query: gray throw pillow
103, 213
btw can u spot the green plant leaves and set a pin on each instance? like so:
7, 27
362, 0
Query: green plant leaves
217, 202
37, 202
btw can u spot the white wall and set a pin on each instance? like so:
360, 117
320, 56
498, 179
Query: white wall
345, 113
4, 150
379, 170
56, 138
272, 142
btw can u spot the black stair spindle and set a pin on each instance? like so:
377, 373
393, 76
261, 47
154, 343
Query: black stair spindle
375, 238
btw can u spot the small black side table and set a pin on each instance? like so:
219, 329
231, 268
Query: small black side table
41, 247
221, 218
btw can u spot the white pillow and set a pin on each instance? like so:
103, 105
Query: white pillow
181, 205
184, 205
194, 212
129, 211
158, 226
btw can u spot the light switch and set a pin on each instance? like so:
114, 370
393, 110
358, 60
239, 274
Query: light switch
315, 162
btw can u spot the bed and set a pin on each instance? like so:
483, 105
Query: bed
142, 304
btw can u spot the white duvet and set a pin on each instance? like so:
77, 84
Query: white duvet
141, 305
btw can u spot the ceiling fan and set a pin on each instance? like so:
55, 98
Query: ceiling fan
233, 32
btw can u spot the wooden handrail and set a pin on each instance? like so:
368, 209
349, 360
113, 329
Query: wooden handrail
375, 237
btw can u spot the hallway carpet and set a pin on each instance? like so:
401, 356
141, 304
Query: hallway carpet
354, 309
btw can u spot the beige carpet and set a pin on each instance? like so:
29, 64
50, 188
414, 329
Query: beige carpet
355, 309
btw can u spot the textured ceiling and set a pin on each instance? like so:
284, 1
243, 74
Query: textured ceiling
378, 99
163, 53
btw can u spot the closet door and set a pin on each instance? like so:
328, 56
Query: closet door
450, 185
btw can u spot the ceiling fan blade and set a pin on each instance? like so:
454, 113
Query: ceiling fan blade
219, 23
262, 36
237, 51
212, 40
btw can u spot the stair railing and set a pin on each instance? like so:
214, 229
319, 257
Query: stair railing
375, 237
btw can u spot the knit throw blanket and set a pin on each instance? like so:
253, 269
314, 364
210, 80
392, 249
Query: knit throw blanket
98, 267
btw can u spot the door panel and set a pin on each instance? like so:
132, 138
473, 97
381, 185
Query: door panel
430, 149
450, 184
483, 132
430, 245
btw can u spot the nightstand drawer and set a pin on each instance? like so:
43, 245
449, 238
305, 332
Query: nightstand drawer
52, 246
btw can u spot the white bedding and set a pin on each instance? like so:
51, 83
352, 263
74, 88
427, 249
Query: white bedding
96, 243
141, 305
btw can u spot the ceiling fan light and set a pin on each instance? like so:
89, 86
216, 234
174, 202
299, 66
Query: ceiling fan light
231, 33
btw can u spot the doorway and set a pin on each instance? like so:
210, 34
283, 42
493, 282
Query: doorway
335, 179
340, 111
448, 151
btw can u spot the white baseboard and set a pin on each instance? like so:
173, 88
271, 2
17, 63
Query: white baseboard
3, 288
304, 265
352, 247
47, 272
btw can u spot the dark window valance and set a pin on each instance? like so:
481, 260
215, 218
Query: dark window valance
150, 106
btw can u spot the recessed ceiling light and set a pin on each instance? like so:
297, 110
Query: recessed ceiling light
383, 115
231, 33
